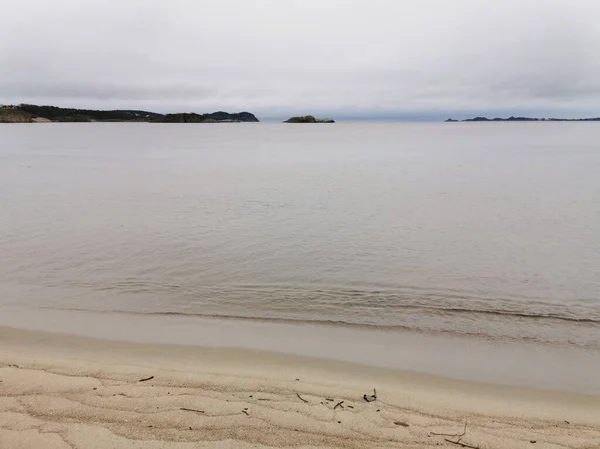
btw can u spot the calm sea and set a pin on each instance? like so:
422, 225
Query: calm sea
489, 230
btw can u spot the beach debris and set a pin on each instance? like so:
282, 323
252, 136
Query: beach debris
246, 412
339, 422
146, 379
533, 441
329, 399
453, 434
461, 444
301, 398
401, 423
297, 380
339, 404
459, 441
371, 397
349, 406
567, 422
191, 410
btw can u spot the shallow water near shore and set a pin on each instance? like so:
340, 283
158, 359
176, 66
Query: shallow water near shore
522, 364
489, 231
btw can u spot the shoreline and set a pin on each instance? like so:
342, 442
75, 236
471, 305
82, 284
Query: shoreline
329, 321
463, 358
86, 392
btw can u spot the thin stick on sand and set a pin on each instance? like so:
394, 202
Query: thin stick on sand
461, 444
457, 435
301, 398
452, 434
191, 410
146, 379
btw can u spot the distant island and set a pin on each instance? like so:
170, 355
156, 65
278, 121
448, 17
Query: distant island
308, 119
29, 113
526, 119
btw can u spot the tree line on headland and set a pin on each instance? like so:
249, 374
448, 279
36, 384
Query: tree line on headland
35, 113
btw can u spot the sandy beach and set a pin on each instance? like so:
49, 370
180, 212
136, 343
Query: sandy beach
60, 391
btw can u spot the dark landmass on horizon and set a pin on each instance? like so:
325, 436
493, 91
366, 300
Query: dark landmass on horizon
215, 117
526, 119
29, 113
308, 119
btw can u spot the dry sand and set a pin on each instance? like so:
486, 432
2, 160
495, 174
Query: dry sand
65, 392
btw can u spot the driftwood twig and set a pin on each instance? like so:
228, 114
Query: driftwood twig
339, 404
458, 442
146, 378
301, 398
244, 411
461, 444
191, 410
452, 434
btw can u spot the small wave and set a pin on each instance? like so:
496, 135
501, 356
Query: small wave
350, 324
418, 298
536, 316
329, 321
233, 317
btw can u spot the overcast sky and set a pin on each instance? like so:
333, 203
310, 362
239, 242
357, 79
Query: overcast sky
341, 58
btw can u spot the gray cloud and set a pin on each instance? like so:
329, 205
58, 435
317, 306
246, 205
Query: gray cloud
426, 58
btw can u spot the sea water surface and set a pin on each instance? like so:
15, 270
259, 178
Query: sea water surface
490, 231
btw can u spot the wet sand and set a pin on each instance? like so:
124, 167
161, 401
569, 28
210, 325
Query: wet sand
515, 363
60, 391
